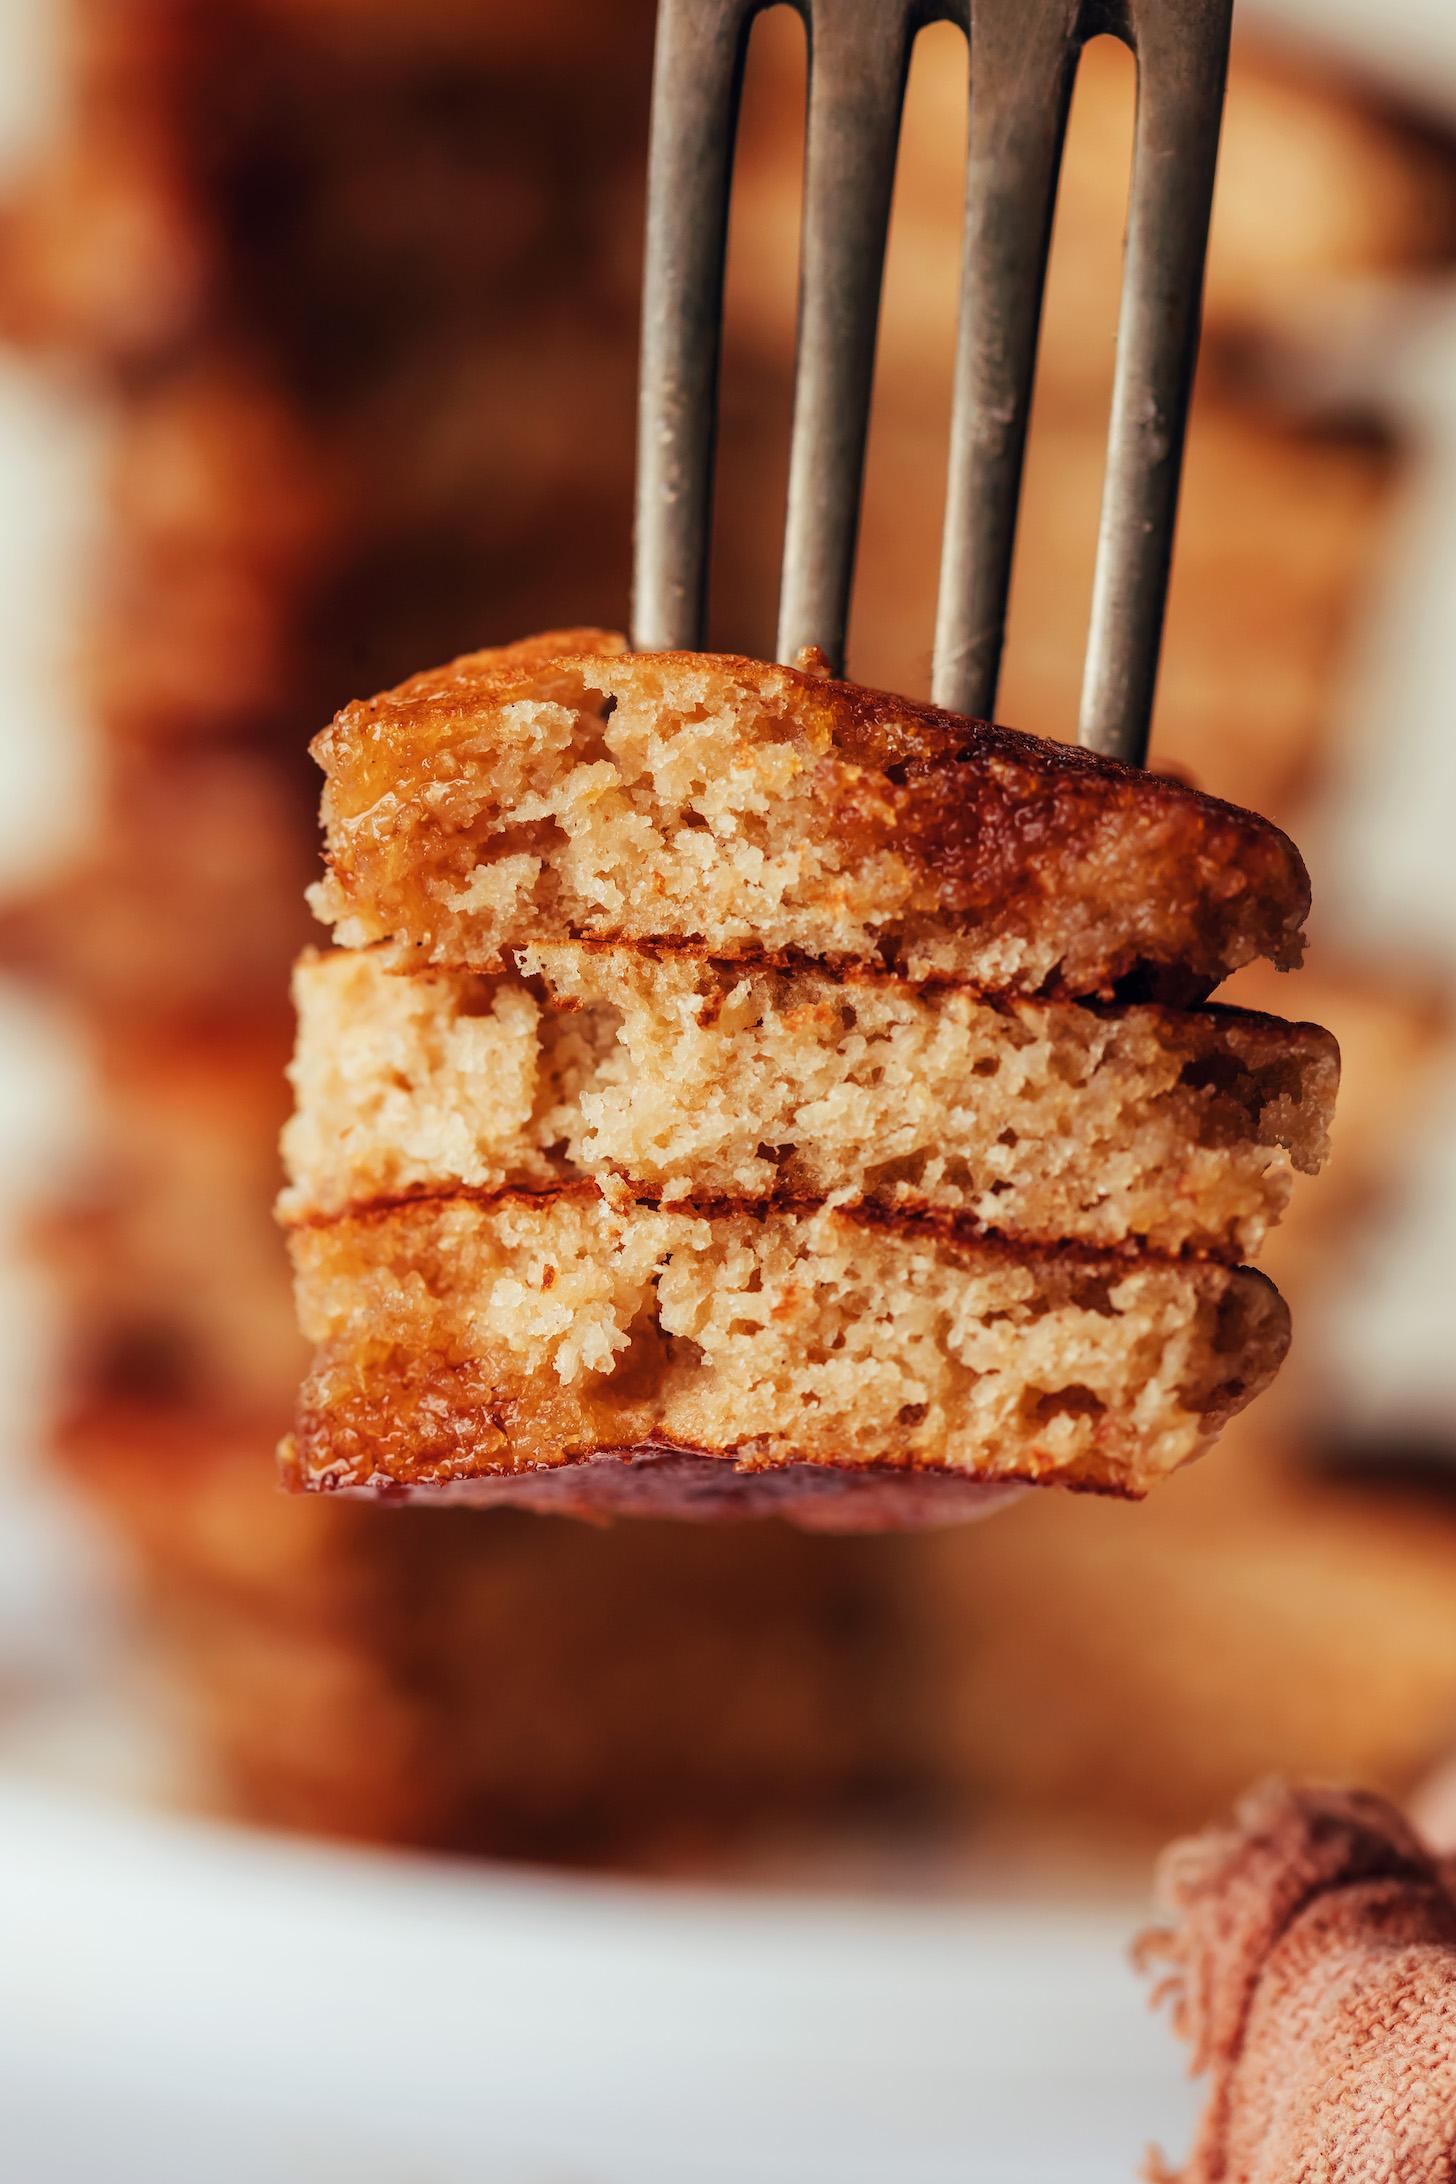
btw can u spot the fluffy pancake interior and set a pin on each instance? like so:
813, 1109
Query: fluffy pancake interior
458, 1337
696, 1080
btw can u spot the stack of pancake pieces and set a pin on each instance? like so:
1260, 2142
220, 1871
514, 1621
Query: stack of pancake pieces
741, 1090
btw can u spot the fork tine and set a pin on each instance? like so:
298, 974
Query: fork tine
1182, 55
858, 58
697, 77
1023, 60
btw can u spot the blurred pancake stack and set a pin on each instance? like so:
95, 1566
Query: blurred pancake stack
355, 287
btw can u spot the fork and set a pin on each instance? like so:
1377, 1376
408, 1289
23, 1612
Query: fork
1023, 60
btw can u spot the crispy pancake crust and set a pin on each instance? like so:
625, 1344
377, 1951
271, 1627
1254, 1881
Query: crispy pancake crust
467, 1341
871, 826
707, 1486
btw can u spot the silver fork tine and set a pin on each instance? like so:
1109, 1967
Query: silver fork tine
1182, 53
1023, 59
697, 76
858, 58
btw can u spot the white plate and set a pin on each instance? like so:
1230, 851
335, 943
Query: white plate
182, 2002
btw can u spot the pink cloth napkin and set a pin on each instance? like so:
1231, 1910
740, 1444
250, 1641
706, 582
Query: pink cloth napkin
1311, 1964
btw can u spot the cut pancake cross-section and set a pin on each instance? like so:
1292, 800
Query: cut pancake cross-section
741, 1091
696, 1081
566, 789
459, 1337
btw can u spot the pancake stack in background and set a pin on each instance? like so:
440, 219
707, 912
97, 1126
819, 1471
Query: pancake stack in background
355, 287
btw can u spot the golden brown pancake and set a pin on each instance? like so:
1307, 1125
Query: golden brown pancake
695, 1080
565, 788
466, 1342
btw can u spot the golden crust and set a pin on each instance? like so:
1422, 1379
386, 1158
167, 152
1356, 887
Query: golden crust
871, 826
460, 1340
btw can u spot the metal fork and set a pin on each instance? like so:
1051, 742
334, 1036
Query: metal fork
1023, 59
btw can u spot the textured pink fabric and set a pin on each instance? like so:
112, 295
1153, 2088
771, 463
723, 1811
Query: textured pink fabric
1312, 1970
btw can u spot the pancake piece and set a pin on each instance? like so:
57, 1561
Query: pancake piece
698, 1080
564, 787
482, 1343
762, 1093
